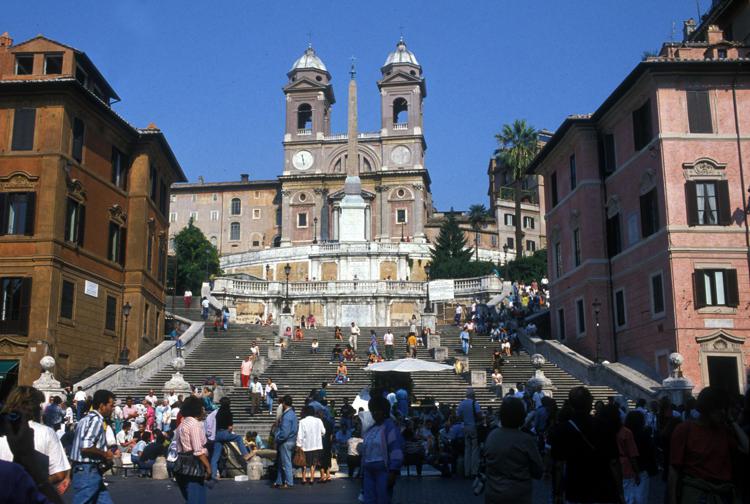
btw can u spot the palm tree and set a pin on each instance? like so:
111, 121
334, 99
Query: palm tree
477, 214
518, 145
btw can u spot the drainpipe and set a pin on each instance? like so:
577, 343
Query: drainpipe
741, 164
610, 282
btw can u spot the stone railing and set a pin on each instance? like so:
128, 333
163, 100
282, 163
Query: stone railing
116, 376
400, 126
254, 288
304, 132
467, 286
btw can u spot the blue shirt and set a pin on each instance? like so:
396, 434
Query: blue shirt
464, 336
287, 426
89, 434
18, 487
464, 412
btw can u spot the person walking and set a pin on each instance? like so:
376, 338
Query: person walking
205, 305
381, 454
187, 298
470, 413
286, 440
190, 440
246, 369
388, 343
90, 449
458, 315
225, 434
465, 337
512, 458
256, 393
354, 334
373, 350
310, 439
271, 392
225, 319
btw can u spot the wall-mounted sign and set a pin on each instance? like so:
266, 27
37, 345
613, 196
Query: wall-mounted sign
91, 289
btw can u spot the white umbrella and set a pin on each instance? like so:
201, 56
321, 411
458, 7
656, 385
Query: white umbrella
408, 366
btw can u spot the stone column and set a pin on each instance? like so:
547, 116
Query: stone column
382, 196
46, 384
177, 382
324, 231
368, 223
676, 386
539, 382
286, 218
336, 222
418, 213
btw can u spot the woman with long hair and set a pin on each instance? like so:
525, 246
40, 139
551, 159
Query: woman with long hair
192, 468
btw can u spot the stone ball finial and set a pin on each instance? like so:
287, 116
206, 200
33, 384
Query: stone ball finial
538, 360
47, 363
676, 359
178, 363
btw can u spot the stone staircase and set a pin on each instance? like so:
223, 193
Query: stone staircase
299, 371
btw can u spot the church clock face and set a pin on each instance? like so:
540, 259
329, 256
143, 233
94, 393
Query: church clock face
401, 155
303, 160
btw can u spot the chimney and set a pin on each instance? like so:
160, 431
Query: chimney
714, 35
244, 177
5, 40
200, 179
688, 27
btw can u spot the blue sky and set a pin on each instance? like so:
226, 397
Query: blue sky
210, 74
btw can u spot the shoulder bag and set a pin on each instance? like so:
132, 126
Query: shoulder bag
188, 465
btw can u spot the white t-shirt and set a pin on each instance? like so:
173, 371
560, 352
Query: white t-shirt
80, 396
388, 338
123, 438
355, 330
152, 399
459, 310
171, 399
45, 442
188, 293
205, 303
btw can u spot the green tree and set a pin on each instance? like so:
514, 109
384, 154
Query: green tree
528, 268
477, 215
519, 143
451, 257
195, 258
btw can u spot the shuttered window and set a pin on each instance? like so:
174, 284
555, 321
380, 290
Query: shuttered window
707, 203
75, 222
561, 324
614, 242
553, 189
79, 130
119, 169
117, 243
67, 299
657, 294
110, 318
17, 213
642, 129
577, 247
699, 112
649, 213
24, 120
715, 287
610, 162
620, 318
15, 303
580, 317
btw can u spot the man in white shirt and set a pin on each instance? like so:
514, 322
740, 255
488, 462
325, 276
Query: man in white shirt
125, 438
151, 397
256, 392
353, 336
459, 314
388, 342
80, 399
171, 398
205, 305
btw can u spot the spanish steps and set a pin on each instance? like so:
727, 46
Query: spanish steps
299, 371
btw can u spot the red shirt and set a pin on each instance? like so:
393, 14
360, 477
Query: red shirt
628, 451
702, 452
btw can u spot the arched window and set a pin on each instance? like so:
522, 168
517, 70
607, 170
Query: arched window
214, 241
277, 241
400, 111
304, 117
236, 206
234, 231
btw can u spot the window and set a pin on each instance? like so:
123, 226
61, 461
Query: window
214, 215
214, 196
511, 244
146, 321
649, 213
79, 129
172, 198
278, 217
149, 251
530, 245
257, 194
708, 203
256, 243
81, 76
302, 220
572, 165
561, 324
580, 317
609, 159
558, 260
193, 216
614, 242
163, 200
116, 244
553, 188
715, 287
528, 223
509, 219
577, 247
620, 318
110, 318
214, 241
256, 213
642, 131
67, 297
53, 64
75, 222
15, 304
401, 216
193, 198
173, 217
400, 111
699, 112
304, 117
17, 213
236, 206
24, 64
234, 231
162, 261
24, 120
493, 240
657, 294
119, 169
154, 178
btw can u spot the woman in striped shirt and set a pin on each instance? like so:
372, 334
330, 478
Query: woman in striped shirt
191, 438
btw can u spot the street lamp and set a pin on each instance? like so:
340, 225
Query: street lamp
208, 256
402, 231
315, 230
268, 272
123, 348
597, 306
505, 258
287, 270
428, 306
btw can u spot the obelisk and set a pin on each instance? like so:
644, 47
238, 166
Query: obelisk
352, 216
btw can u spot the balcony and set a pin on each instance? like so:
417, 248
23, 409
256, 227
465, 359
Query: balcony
507, 193
304, 132
400, 126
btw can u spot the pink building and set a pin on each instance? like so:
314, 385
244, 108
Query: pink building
647, 229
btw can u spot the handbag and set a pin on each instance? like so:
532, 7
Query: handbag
188, 464
299, 458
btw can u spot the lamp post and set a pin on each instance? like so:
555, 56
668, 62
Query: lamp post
315, 230
268, 272
123, 348
287, 270
428, 306
597, 306
208, 256
505, 258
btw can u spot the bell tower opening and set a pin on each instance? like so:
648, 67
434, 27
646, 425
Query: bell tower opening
400, 112
304, 117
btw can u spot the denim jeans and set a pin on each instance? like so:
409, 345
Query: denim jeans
269, 402
465, 346
193, 490
284, 462
88, 486
375, 484
224, 436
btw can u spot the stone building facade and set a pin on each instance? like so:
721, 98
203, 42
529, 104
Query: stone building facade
84, 199
646, 217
